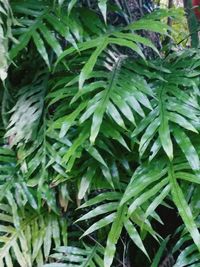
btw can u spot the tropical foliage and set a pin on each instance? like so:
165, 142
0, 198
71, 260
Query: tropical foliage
95, 137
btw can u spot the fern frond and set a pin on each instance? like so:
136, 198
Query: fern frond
27, 112
33, 238
73, 256
6, 18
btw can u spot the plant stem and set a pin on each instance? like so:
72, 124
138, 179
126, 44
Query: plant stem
192, 23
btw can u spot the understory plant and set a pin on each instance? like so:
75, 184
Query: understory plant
95, 137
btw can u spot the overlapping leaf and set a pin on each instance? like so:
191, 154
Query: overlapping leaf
31, 241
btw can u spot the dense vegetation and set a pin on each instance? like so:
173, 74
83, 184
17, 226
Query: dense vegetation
99, 140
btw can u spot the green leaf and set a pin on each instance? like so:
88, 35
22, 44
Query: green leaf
148, 136
183, 208
29, 196
41, 47
107, 175
188, 149
103, 7
136, 38
71, 5
104, 208
127, 43
188, 256
19, 256
86, 181
100, 224
56, 265
66, 122
164, 135
104, 100
157, 201
123, 107
151, 25
145, 122
113, 237
8, 261
12, 203
114, 113
115, 134
92, 86
154, 149
175, 117
81, 47
77, 143
96, 155
159, 253
184, 110
48, 240
146, 195
133, 233
140, 181
56, 232
87, 69
102, 197
24, 40
143, 99
188, 177
96, 122
135, 105
51, 39
88, 113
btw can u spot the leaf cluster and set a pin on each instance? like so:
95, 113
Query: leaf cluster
94, 137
